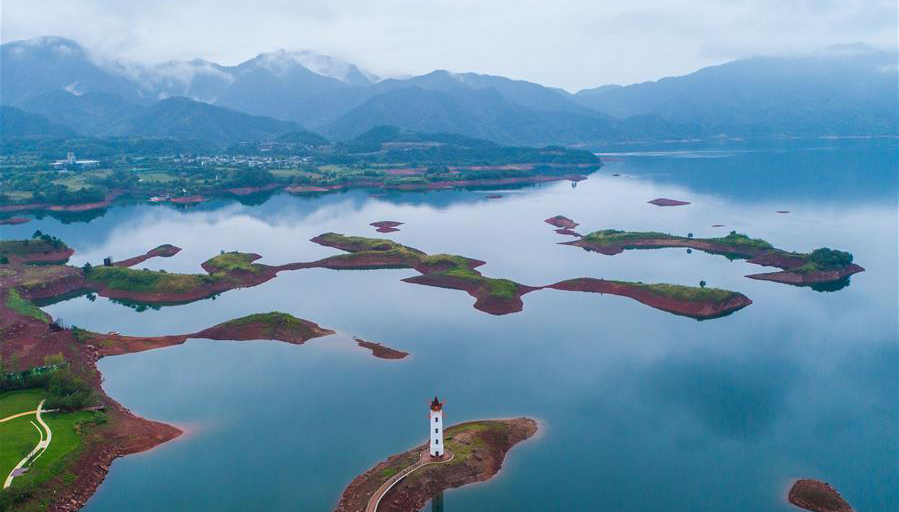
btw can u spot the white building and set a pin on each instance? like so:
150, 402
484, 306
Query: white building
70, 162
435, 419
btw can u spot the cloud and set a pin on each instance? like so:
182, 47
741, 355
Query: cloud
567, 43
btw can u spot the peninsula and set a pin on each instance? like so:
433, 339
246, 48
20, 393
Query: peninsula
477, 448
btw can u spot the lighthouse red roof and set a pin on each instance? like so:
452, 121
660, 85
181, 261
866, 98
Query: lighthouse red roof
435, 404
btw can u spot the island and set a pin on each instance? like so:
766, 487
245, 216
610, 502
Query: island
819, 268
379, 350
700, 303
561, 222
477, 448
817, 496
386, 226
664, 201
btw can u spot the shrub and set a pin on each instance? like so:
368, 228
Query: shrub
826, 258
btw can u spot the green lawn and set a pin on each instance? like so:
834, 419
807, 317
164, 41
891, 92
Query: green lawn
20, 437
79, 180
231, 261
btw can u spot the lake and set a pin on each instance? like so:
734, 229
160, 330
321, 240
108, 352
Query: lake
640, 410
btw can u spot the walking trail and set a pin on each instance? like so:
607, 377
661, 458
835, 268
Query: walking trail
41, 445
424, 460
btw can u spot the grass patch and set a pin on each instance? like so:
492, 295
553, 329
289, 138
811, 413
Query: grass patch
686, 293
742, 240
27, 247
122, 278
502, 288
615, 236
21, 306
232, 262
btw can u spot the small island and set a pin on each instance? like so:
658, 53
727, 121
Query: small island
561, 222
817, 496
819, 267
386, 226
695, 302
476, 451
664, 201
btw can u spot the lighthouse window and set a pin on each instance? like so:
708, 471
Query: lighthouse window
435, 419
435, 430
437, 441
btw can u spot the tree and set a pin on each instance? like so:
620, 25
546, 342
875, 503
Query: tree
689, 235
37, 234
702, 284
87, 267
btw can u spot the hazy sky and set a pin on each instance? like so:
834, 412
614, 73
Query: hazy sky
564, 43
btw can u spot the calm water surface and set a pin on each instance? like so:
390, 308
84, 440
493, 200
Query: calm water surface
641, 410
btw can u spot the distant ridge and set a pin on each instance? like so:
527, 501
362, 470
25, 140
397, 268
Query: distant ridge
844, 90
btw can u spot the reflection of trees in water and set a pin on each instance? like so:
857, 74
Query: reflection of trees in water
140, 307
832, 286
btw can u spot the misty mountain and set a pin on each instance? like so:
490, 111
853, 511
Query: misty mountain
36, 66
846, 90
16, 123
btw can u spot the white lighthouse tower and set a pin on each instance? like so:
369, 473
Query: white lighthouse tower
435, 419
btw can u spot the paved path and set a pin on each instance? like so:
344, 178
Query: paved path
14, 416
424, 460
41, 445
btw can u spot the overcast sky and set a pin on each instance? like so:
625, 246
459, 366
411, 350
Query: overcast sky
565, 43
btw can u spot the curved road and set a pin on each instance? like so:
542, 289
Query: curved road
41, 445
424, 460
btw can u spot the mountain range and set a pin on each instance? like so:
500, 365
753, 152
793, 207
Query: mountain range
845, 90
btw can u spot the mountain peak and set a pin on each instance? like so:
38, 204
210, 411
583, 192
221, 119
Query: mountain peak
282, 61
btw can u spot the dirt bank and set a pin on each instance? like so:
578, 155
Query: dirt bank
479, 448
817, 496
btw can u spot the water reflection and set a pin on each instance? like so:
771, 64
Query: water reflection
644, 411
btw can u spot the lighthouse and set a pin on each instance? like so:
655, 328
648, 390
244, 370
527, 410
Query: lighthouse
435, 420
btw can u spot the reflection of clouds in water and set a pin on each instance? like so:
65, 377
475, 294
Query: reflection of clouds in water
740, 398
